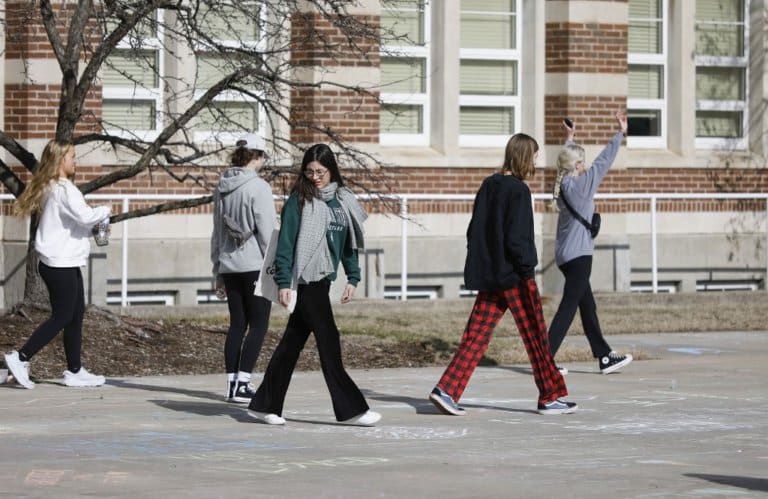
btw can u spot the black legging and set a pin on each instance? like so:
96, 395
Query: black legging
65, 290
313, 313
246, 312
577, 293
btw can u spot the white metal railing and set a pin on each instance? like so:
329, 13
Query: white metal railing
403, 199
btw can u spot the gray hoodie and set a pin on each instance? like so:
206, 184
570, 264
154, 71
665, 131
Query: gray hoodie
573, 239
247, 200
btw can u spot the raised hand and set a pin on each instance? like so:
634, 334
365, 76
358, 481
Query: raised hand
621, 117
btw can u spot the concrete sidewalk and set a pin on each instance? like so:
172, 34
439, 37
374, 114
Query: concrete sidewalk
691, 423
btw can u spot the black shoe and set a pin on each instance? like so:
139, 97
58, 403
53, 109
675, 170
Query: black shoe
243, 393
613, 362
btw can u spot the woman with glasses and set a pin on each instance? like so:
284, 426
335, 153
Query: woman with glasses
321, 225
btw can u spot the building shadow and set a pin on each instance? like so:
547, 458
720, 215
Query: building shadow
742, 482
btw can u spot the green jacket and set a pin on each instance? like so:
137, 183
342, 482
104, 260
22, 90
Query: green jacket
337, 237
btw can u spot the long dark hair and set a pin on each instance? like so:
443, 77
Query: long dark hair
304, 187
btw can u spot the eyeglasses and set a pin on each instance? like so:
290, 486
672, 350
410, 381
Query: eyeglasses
315, 173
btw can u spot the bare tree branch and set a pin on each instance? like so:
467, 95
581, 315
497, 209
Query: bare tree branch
161, 208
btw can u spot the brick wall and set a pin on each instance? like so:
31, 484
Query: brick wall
351, 114
586, 48
593, 115
584, 52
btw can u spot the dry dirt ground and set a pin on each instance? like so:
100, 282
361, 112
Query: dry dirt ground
375, 334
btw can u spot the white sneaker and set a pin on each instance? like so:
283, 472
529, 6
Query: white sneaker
266, 417
19, 369
368, 418
82, 378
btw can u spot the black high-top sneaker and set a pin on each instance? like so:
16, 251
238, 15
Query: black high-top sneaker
613, 362
244, 391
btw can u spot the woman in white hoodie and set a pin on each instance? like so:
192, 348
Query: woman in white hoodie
243, 220
62, 243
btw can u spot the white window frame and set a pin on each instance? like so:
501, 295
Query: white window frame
739, 143
226, 137
139, 93
406, 99
497, 101
660, 141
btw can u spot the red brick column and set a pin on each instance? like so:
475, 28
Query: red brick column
586, 52
352, 114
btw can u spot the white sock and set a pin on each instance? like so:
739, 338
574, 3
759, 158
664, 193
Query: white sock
230, 376
244, 376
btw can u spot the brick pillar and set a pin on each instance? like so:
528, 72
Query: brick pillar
586, 67
354, 115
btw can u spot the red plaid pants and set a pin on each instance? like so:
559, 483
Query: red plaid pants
525, 304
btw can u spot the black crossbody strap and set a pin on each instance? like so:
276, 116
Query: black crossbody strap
575, 214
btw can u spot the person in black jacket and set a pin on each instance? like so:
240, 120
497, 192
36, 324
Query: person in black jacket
501, 262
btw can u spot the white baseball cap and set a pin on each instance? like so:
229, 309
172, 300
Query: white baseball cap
253, 141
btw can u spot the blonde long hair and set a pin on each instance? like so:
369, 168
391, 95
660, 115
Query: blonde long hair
566, 162
519, 156
47, 169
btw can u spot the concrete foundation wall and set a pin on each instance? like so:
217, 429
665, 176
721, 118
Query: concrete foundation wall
168, 257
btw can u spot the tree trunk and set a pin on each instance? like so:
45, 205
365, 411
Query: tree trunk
35, 292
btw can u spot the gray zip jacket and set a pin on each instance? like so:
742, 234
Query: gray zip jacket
573, 239
247, 200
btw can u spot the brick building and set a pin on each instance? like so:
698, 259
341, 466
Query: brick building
466, 75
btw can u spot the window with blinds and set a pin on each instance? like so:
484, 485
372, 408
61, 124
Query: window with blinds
489, 67
131, 91
721, 72
231, 113
404, 73
646, 73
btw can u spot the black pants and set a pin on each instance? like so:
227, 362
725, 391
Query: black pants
67, 296
577, 293
246, 312
312, 314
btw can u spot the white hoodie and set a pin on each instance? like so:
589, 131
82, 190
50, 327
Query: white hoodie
62, 238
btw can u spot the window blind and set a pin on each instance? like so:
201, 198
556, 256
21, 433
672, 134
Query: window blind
405, 20
227, 116
486, 120
719, 124
399, 118
403, 75
719, 83
481, 77
645, 81
127, 68
128, 114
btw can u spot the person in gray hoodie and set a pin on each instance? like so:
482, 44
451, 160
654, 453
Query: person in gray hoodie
575, 186
244, 217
